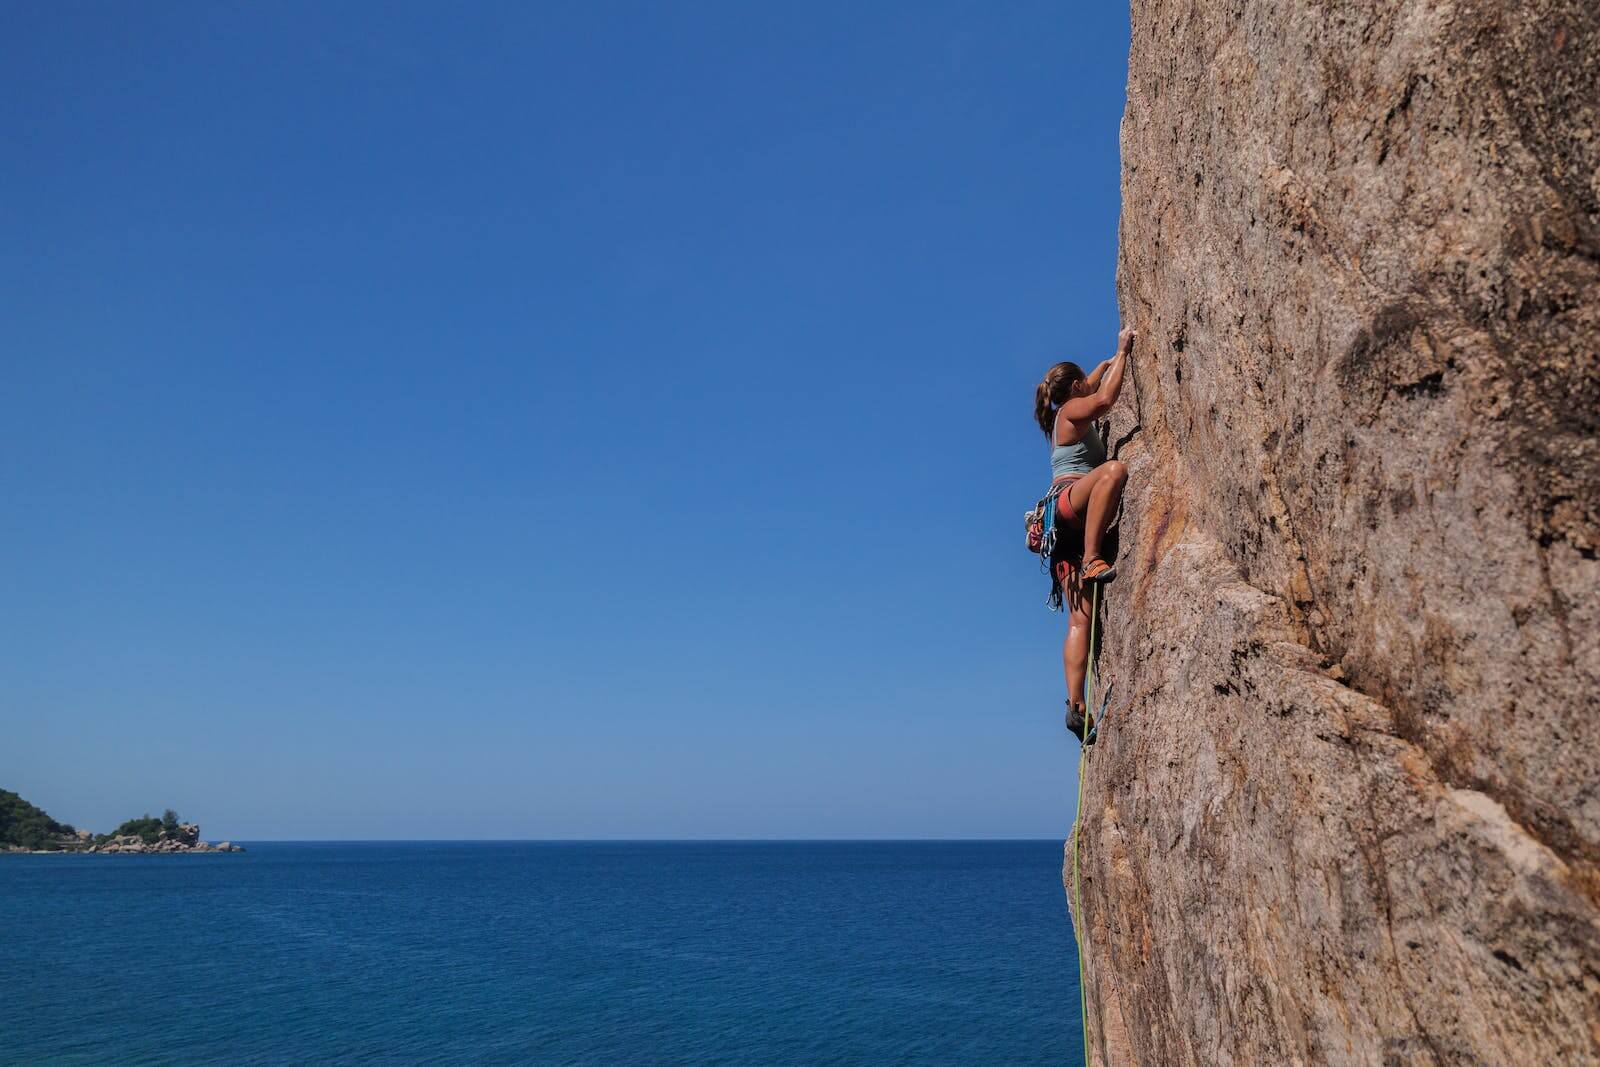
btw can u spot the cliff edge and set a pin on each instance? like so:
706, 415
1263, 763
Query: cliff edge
1348, 807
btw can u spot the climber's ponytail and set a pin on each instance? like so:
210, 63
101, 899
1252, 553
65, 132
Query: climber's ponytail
1057, 387
1042, 410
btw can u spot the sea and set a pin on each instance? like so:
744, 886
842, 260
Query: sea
542, 953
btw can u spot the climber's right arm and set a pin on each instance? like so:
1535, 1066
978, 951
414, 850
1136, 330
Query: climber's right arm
1111, 388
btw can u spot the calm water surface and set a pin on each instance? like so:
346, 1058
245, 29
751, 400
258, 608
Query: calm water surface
866, 953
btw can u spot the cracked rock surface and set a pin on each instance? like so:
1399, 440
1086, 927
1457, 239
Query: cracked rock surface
1348, 810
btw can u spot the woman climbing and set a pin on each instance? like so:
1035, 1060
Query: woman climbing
1085, 490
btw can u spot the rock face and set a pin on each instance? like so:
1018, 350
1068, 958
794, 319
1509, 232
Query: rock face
1348, 810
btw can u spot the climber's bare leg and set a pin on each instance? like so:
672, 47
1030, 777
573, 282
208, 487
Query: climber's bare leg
1075, 649
1095, 496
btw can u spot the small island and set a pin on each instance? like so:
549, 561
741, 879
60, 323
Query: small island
26, 828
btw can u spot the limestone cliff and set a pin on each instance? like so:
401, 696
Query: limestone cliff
1349, 808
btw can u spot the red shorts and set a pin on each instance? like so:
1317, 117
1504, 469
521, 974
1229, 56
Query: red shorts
1064, 510
1067, 517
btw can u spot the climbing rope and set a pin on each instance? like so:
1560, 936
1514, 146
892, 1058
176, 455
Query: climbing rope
1077, 820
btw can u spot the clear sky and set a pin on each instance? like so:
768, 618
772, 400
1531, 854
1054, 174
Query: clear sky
543, 420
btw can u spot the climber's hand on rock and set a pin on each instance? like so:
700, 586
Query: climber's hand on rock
1125, 341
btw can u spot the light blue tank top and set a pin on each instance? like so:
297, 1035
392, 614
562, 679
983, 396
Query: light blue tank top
1080, 457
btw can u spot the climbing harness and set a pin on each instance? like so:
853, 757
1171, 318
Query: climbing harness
1063, 547
1091, 731
1040, 521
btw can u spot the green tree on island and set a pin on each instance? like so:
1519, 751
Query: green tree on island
23, 825
145, 828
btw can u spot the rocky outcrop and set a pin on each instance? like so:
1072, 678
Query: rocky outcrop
1349, 808
185, 839
131, 843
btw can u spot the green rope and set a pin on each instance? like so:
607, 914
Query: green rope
1077, 826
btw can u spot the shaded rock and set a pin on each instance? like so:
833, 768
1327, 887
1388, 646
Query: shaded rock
1349, 809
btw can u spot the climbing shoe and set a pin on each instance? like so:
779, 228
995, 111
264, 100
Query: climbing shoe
1098, 570
1083, 730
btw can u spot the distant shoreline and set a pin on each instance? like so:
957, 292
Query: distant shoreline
28, 829
205, 850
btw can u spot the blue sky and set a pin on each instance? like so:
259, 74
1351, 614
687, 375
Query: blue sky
560, 420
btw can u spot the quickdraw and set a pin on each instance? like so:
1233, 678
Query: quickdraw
1047, 543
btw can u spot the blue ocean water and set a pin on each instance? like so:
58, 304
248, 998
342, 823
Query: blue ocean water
870, 952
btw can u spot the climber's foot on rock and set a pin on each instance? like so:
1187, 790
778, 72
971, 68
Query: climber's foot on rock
1096, 569
1079, 722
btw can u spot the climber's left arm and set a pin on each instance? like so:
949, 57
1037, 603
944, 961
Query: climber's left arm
1093, 380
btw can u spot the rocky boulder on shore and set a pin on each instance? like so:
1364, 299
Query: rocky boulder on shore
186, 839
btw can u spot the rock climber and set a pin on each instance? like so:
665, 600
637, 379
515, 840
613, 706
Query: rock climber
1085, 490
